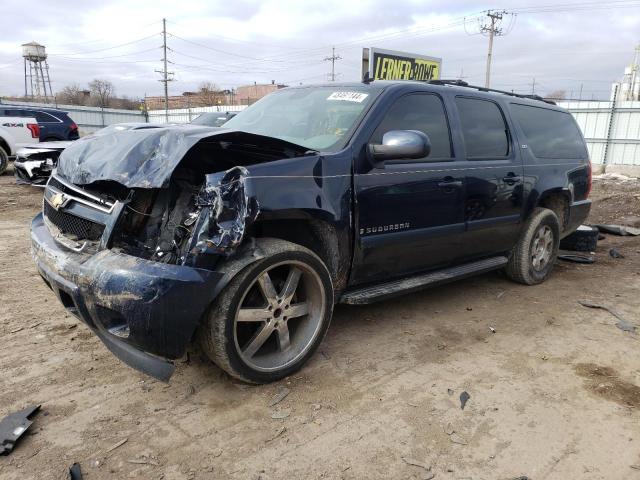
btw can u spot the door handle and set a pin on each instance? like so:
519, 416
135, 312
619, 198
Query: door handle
450, 184
511, 179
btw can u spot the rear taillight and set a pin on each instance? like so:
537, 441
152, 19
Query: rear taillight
35, 130
589, 179
73, 127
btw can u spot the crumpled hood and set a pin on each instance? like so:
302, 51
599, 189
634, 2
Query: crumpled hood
146, 158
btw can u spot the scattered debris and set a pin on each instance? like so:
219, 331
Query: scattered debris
278, 397
119, 444
279, 432
584, 239
635, 467
13, 426
523, 477
613, 253
428, 476
280, 414
621, 230
575, 258
325, 355
501, 294
469, 309
493, 330
464, 398
622, 323
143, 461
416, 463
449, 391
455, 438
75, 473
448, 429
16, 330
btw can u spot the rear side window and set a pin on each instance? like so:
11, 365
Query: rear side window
45, 117
483, 128
423, 112
550, 133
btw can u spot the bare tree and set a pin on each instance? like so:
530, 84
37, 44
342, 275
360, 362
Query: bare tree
73, 95
556, 95
209, 94
102, 91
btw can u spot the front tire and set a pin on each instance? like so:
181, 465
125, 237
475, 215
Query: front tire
532, 259
272, 316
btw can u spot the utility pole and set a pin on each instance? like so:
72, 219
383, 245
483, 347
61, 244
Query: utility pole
492, 29
533, 86
165, 75
333, 59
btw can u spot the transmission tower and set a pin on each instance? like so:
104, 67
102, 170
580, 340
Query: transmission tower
165, 75
333, 59
36, 72
493, 28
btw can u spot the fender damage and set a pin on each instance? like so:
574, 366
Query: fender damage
184, 200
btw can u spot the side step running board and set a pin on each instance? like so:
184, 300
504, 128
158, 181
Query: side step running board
387, 290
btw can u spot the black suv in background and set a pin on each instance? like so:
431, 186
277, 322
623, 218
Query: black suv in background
245, 236
54, 124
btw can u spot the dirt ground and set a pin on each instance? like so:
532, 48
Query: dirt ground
553, 392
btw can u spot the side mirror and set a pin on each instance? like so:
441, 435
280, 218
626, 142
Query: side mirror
399, 145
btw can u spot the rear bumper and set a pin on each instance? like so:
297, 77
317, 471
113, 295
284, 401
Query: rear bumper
578, 213
144, 312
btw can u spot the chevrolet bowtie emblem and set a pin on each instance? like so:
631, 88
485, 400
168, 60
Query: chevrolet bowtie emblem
58, 200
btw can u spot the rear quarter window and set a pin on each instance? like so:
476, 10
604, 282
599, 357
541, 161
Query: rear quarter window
484, 130
549, 133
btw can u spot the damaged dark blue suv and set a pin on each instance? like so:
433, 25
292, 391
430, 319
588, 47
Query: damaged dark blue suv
244, 237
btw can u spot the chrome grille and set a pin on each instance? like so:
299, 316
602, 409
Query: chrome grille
71, 225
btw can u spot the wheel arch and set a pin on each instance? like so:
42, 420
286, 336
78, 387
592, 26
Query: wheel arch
558, 200
317, 234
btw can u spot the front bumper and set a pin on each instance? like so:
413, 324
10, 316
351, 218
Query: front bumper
144, 312
31, 171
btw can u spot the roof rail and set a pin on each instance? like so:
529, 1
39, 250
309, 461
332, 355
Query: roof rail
462, 83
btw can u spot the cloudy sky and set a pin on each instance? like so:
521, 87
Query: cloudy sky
563, 46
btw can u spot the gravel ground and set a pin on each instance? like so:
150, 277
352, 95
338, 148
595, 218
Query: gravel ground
553, 392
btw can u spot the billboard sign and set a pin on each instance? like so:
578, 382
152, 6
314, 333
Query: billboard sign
391, 65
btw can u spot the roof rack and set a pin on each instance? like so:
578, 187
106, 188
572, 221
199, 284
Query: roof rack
462, 83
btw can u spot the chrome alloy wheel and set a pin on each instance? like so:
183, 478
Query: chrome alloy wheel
542, 248
279, 316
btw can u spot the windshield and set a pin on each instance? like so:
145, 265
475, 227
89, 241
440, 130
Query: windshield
317, 118
212, 119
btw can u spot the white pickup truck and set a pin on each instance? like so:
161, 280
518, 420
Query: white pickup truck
14, 133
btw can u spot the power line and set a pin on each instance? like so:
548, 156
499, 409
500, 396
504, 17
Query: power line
107, 48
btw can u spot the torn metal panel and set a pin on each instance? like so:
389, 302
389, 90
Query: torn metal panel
147, 158
13, 426
228, 207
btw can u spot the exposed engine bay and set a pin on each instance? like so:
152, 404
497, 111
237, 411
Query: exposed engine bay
176, 224
202, 205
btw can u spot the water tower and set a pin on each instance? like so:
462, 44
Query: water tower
36, 72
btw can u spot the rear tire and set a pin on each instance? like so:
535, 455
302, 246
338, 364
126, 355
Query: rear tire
4, 160
534, 256
272, 316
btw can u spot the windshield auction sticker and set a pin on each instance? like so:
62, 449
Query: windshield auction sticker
348, 96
